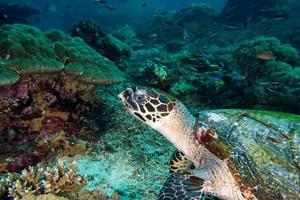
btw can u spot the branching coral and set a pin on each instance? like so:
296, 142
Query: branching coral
61, 180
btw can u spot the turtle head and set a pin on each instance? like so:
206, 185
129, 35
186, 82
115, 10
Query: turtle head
163, 113
148, 105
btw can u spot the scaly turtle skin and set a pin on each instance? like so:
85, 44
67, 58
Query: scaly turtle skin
223, 154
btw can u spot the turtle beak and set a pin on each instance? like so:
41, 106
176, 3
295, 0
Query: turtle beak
127, 98
120, 95
125, 94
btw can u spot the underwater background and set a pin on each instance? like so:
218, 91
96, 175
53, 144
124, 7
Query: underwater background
64, 134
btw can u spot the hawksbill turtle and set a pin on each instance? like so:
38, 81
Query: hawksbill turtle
227, 154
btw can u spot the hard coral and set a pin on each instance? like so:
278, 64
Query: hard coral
248, 54
43, 197
46, 87
272, 71
61, 180
81, 61
89, 30
27, 50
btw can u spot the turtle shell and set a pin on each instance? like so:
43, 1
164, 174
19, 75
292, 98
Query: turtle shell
262, 146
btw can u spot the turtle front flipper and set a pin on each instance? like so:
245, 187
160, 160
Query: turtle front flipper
180, 162
185, 186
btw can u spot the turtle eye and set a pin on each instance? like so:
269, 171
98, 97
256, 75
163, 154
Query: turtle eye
141, 99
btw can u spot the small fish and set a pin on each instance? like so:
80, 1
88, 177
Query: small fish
185, 34
153, 35
184, 10
3, 17
164, 12
180, 24
273, 140
67, 6
265, 56
100, 1
109, 8
279, 17
232, 26
266, 9
212, 36
232, 7
240, 77
169, 23
144, 4
157, 59
216, 81
247, 20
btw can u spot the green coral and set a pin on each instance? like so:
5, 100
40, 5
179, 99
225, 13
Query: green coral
83, 62
113, 47
160, 72
182, 87
8, 77
25, 49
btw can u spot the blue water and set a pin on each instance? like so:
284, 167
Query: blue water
62, 14
208, 54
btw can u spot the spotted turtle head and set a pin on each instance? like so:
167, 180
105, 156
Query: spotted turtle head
148, 105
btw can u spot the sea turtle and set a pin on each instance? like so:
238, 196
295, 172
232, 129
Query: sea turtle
223, 154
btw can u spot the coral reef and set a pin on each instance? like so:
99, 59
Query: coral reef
128, 35
43, 197
257, 72
107, 44
272, 71
61, 180
47, 93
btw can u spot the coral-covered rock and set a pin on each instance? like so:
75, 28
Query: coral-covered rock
195, 22
27, 50
107, 44
272, 71
128, 35
89, 30
251, 55
7, 77
46, 89
81, 61
112, 47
